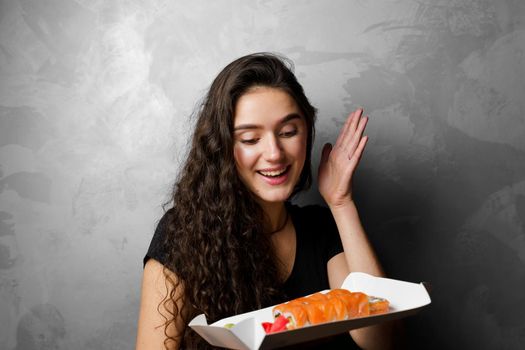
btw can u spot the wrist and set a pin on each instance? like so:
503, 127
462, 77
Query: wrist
341, 205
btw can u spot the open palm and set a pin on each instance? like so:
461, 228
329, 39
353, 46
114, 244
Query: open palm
339, 162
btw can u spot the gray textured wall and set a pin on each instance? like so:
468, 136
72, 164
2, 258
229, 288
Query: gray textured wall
94, 100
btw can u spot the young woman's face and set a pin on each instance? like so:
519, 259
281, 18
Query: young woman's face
270, 136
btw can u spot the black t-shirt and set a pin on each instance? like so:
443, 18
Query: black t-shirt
317, 241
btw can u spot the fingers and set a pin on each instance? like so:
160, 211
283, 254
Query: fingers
357, 136
351, 137
357, 116
356, 156
345, 130
349, 128
358, 113
337, 164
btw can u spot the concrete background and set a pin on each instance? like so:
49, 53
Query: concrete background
94, 105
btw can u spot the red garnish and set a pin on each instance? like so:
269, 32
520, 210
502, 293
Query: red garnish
267, 326
279, 324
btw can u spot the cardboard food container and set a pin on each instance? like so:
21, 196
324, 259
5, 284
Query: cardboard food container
247, 333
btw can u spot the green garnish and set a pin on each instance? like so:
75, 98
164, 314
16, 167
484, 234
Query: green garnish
229, 325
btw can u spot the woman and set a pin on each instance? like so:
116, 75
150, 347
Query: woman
232, 241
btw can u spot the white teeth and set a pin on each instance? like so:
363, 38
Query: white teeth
273, 173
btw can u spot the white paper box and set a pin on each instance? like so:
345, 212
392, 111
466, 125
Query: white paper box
405, 299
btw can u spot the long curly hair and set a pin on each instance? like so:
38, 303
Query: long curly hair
223, 261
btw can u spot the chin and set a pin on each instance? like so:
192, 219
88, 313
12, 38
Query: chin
277, 197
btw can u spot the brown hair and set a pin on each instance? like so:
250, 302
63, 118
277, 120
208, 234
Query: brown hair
224, 263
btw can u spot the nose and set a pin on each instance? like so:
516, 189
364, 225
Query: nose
274, 151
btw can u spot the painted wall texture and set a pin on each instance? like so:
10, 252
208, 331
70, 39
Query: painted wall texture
95, 99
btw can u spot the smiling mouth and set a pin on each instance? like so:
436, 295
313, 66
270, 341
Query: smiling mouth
276, 173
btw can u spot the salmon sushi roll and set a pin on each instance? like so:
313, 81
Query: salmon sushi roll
357, 305
378, 305
318, 297
297, 316
341, 310
348, 299
311, 298
339, 292
335, 305
314, 313
319, 312
362, 305
294, 312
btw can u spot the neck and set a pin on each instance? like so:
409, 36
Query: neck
277, 215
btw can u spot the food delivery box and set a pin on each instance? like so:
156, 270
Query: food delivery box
247, 331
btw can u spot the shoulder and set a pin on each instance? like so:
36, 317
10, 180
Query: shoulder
157, 248
164, 224
165, 221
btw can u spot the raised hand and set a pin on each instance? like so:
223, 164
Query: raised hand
339, 162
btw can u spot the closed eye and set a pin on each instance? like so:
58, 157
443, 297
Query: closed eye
288, 133
250, 141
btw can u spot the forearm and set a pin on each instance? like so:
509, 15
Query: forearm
358, 251
383, 336
360, 256
151, 330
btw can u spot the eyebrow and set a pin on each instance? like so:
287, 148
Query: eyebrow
284, 120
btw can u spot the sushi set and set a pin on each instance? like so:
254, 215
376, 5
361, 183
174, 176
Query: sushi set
362, 300
333, 305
